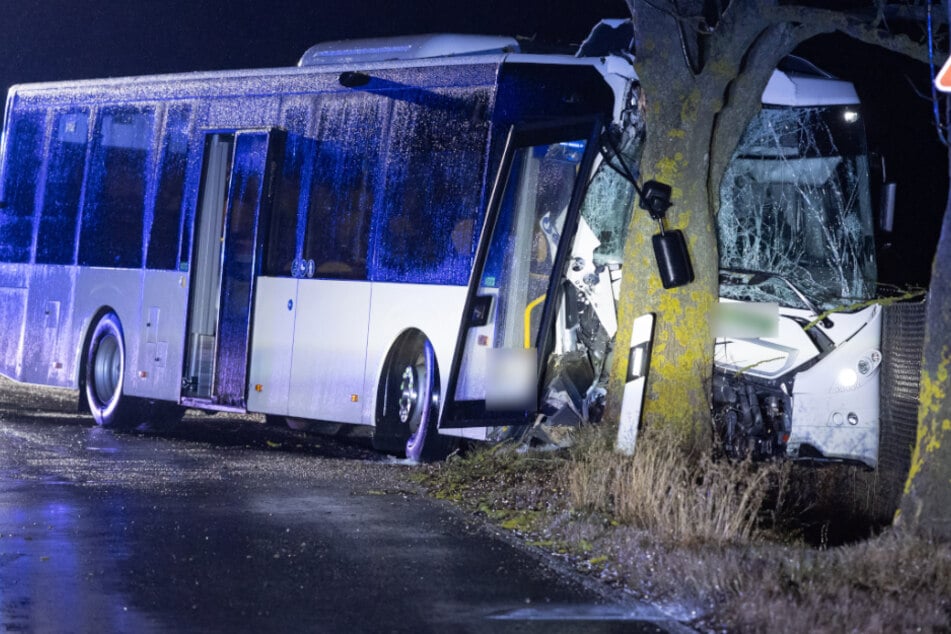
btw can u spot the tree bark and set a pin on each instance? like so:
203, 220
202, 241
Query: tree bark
698, 101
926, 504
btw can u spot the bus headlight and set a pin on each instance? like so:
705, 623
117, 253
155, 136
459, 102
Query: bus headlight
847, 378
865, 366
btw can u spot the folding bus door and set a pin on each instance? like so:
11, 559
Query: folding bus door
229, 243
506, 334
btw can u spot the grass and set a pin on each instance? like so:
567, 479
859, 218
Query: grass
725, 542
682, 496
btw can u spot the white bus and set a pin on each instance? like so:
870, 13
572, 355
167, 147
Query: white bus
424, 235
344, 240
838, 375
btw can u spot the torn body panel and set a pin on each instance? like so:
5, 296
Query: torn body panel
808, 393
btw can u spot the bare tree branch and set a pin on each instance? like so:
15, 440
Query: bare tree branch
854, 25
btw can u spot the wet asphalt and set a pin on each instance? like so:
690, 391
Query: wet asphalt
225, 525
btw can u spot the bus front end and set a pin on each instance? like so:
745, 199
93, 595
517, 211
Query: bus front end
799, 354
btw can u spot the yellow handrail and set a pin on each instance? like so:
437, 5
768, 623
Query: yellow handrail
528, 320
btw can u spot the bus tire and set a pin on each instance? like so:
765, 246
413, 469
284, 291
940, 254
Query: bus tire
105, 361
409, 403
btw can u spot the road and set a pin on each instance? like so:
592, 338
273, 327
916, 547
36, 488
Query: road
225, 525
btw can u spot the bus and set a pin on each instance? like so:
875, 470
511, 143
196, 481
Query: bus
423, 235
364, 238
835, 376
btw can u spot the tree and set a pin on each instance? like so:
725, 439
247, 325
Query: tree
926, 505
703, 65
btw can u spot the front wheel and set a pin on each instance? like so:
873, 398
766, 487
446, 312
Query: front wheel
104, 372
410, 403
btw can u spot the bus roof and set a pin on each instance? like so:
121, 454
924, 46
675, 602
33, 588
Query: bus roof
294, 76
798, 82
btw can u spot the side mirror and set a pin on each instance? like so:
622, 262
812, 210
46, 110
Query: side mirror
670, 247
673, 260
886, 208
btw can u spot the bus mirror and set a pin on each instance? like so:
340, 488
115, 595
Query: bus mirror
886, 208
673, 260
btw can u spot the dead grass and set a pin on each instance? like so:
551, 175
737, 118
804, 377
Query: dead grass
716, 542
678, 495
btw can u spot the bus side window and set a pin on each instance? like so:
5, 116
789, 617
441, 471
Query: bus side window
338, 225
433, 189
25, 152
114, 208
56, 239
166, 222
343, 193
286, 209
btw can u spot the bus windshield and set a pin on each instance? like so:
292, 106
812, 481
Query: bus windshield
795, 202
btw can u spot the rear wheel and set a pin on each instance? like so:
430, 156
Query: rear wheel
104, 372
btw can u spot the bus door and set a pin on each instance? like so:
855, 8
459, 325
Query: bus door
507, 329
229, 243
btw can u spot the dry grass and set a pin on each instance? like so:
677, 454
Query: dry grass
676, 494
711, 538
892, 583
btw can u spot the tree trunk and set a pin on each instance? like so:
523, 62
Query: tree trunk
691, 115
681, 363
926, 505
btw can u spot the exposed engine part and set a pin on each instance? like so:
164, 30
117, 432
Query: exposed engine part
752, 420
575, 386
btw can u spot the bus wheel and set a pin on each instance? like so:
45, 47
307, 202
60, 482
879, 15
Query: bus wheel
410, 403
105, 366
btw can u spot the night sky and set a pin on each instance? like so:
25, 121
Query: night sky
44, 40
71, 39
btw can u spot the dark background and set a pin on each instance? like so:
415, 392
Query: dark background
71, 39
43, 40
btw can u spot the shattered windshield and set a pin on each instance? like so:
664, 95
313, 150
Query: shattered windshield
609, 199
795, 202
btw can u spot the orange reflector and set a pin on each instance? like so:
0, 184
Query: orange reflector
354, 398
57, 365
258, 387
785, 438
143, 374
483, 340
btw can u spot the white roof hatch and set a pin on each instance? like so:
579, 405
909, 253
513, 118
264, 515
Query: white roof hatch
406, 47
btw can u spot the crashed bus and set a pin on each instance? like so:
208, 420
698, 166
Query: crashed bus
363, 238
811, 366
420, 235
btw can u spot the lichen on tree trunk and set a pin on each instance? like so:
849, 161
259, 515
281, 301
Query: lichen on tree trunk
682, 349
926, 505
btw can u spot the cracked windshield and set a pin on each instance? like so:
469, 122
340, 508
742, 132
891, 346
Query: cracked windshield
795, 220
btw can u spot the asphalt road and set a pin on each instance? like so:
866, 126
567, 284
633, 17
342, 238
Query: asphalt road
225, 525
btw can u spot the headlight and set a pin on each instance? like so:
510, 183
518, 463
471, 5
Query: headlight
847, 378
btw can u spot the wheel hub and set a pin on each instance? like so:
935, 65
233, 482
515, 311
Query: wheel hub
409, 395
107, 368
